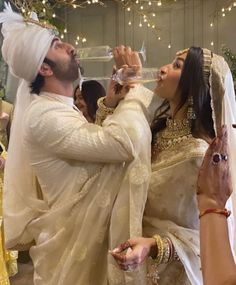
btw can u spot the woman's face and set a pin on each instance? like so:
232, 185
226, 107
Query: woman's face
80, 103
169, 77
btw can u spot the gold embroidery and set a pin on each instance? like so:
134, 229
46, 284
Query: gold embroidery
175, 132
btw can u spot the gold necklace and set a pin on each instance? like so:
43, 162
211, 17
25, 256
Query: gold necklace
175, 132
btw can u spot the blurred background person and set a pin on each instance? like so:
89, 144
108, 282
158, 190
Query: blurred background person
86, 99
8, 259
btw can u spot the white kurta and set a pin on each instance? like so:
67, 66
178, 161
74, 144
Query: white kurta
172, 211
94, 184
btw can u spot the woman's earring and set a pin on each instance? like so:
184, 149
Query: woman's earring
190, 113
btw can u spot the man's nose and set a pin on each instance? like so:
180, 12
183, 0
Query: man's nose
70, 49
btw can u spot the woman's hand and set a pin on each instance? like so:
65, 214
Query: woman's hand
125, 56
138, 249
214, 181
116, 92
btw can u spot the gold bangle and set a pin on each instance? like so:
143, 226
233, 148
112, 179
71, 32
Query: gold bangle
167, 250
103, 111
160, 249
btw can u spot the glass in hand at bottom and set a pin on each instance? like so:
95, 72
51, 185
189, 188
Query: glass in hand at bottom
130, 75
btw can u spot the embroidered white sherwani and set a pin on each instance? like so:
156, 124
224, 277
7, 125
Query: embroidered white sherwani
93, 182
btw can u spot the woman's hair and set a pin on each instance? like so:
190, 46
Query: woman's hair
91, 91
192, 83
38, 82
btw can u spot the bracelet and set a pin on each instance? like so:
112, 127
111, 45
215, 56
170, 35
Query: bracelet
223, 212
103, 111
160, 249
165, 250
173, 253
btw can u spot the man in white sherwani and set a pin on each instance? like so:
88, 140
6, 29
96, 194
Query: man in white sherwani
93, 179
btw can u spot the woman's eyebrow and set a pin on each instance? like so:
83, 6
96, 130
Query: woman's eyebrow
180, 58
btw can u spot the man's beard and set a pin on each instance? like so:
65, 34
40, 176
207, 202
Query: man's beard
69, 73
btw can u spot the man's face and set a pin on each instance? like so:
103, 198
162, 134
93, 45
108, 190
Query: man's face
63, 55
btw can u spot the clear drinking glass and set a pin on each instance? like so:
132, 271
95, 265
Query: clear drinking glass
130, 75
101, 53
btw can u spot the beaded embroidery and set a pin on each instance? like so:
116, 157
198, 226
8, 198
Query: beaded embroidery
175, 132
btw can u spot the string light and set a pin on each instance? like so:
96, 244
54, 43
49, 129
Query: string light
212, 43
169, 45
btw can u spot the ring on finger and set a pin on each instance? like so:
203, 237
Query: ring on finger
218, 157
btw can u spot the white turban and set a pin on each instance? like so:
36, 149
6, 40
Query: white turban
25, 44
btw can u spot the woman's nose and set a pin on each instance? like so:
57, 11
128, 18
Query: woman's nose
163, 70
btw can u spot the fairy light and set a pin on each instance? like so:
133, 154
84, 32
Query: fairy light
159, 38
54, 15
169, 45
159, 3
76, 42
78, 37
223, 15
212, 43
141, 7
153, 14
65, 31
234, 4
74, 6
223, 9
149, 3
62, 36
229, 9
211, 25
153, 26
84, 40
128, 9
129, 23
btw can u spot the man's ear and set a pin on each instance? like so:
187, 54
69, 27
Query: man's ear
45, 70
